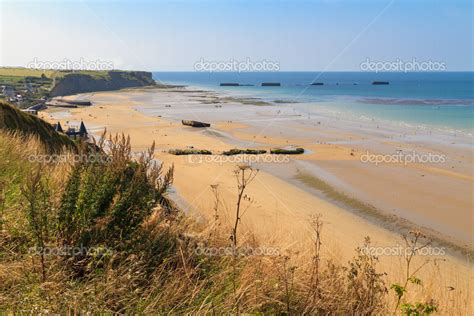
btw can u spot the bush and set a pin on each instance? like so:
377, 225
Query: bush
106, 201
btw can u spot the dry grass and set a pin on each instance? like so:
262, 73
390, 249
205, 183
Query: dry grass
162, 268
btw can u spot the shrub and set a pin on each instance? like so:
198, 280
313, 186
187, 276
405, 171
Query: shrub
106, 201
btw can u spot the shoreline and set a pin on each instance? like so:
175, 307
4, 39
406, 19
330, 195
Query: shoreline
357, 99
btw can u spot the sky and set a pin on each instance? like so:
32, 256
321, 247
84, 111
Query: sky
330, 35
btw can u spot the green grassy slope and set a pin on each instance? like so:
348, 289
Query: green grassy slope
13, 120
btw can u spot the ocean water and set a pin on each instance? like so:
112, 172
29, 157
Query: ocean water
440, 100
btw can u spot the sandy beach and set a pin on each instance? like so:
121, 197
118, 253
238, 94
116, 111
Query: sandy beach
355, 197
237, 157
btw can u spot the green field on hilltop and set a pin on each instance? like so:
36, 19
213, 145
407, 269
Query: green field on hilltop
32, 84
25, 87
20, 72
24, 72
38, 83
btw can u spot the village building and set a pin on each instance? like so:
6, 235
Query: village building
73, 132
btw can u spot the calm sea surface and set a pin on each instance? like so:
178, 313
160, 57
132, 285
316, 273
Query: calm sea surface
444, 99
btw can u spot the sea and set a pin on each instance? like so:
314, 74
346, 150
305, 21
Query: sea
441, 100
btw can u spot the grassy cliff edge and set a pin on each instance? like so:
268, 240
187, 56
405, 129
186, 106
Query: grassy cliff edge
16, 121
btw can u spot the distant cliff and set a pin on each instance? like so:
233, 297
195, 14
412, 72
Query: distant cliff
73, 83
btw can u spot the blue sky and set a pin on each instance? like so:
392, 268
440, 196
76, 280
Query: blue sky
300, 35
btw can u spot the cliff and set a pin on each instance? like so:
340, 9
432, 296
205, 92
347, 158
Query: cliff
73, 83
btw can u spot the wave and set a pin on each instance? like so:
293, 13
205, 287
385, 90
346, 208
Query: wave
403, 101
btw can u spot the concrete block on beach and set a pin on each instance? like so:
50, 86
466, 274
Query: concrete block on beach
76, 102
195, 123
229, 84
236, 151
183, 152
287, 151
